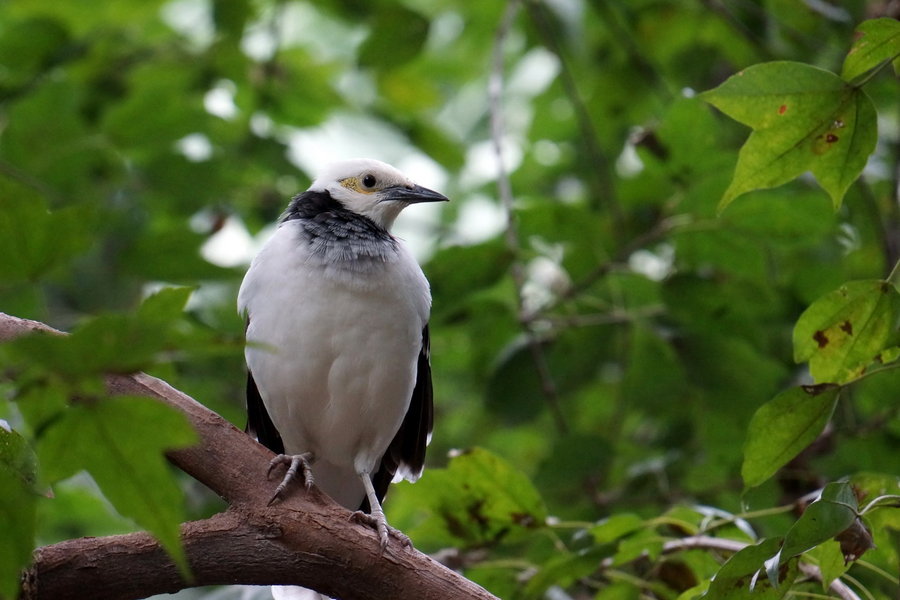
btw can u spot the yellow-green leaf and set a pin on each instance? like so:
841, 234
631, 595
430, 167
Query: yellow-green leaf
844, 331
875, 42
803, 119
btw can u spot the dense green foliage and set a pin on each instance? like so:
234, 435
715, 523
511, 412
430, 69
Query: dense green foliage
654, 327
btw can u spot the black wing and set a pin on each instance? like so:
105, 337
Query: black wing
409, 444
259, 424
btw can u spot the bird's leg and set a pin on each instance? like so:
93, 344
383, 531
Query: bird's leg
294, 463
376, 518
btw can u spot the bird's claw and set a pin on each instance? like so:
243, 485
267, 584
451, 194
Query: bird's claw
378, 522
295, 463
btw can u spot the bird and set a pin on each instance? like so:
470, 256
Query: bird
337, 342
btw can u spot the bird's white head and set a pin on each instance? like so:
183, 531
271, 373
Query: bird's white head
372, 188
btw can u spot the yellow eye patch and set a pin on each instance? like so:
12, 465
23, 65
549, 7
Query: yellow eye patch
354, 184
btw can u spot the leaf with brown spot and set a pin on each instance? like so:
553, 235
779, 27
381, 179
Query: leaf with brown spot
803, 119
874, 42
855, 541
844, 331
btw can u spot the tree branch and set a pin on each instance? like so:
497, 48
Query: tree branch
305, 540
507, 201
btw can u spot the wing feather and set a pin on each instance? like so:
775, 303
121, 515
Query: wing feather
406, 453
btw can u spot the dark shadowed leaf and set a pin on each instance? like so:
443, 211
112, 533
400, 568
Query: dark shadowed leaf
397, 35
34, 240
742, 576
832, 513
458, 272
109, 343
120, 442
822, 520
18, 499
563, 570
479, 499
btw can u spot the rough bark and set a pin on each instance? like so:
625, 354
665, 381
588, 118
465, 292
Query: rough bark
305, 540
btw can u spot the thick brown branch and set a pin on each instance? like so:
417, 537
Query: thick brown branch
305, 540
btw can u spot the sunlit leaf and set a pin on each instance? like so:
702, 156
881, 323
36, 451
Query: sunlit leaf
875, 41
803, 119
120, 441
843, 332
783, 427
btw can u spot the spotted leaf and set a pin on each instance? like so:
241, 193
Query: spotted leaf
803, 119
845, 331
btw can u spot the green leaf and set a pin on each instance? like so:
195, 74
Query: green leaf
17, 512
646, 543
803, 119
120, 441
563, 570
29, 45
832, 513
654, 379
164, 305
479, 499
397, 36
616, 526
828, 557
875, 42
109, 343
843, 332
17, 508
783, 427
33, 240
458, 272
733, 581
18, 456
231, 16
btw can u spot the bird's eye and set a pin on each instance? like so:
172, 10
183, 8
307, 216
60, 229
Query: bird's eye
369, 181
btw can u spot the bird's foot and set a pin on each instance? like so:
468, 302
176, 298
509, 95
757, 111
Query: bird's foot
379, 523
295, 463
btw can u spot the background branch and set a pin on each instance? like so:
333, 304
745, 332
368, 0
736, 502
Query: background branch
507, 200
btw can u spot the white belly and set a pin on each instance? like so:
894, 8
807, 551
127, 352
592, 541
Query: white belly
334, 353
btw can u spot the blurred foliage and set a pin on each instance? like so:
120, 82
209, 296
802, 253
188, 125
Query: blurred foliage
617, 360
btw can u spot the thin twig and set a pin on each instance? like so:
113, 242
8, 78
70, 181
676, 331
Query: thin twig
507, 200
600, 164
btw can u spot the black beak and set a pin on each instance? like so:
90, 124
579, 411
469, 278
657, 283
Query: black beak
412, 194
